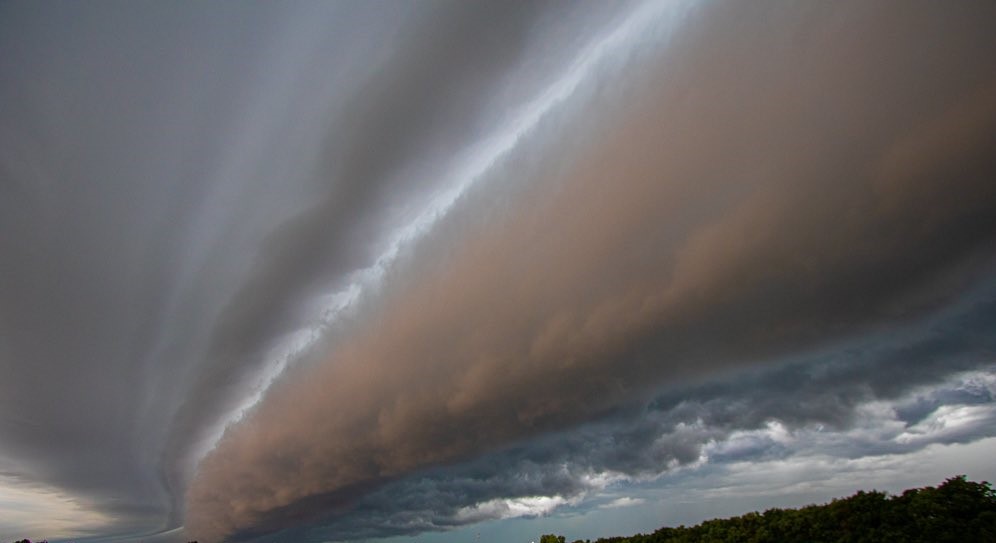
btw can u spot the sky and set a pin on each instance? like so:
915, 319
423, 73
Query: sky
447, 271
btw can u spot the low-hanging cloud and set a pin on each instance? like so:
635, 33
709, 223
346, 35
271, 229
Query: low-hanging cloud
753, 188
863, 400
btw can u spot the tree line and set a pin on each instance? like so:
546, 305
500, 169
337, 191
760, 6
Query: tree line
956, 511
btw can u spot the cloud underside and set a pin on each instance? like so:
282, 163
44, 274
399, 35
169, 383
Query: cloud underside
931, 383
744, 196
702, 438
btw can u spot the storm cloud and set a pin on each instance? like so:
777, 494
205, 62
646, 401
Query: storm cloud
642, 259
345, 271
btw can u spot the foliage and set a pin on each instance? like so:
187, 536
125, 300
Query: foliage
956, 511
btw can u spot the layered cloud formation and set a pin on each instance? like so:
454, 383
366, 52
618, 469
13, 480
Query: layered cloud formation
352, 271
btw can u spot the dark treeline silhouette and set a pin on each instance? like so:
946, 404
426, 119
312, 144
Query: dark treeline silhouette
956, 511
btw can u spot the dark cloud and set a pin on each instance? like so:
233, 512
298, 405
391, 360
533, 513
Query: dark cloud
146, 150
822, 401
155, 164
727, 211
420, 102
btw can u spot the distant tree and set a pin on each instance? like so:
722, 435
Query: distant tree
956, 511
550, 538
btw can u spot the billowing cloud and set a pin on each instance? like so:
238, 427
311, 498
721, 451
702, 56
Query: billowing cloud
339, 271
716, 428
690, 219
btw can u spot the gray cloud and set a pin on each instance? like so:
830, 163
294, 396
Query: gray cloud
93, 173
146, 152
829, 404
156, 161
374, 160
744, 194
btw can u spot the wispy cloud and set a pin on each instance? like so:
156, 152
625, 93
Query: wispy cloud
30, 508
625, 501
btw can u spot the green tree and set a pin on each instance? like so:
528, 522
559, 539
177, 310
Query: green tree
957, 510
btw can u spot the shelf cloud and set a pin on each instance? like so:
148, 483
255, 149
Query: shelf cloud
356, 270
